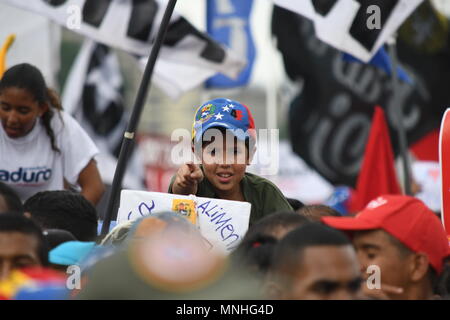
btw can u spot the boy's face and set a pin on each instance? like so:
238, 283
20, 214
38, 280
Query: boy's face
224, 163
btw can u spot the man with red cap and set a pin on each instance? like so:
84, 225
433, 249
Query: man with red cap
403, 240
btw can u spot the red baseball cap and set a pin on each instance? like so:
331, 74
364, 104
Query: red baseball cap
405, 218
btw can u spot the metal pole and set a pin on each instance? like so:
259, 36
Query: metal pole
402, 139
129, 135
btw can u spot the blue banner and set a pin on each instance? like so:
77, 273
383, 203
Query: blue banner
228, 21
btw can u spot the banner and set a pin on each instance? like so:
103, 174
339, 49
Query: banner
444, 160
228, 22
132, 26
330, 119
222, 223
358, 27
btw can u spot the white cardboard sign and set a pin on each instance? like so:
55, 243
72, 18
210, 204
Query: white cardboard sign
222, 222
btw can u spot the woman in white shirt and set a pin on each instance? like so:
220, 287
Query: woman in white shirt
42, 147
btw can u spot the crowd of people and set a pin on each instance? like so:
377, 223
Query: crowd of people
396, 248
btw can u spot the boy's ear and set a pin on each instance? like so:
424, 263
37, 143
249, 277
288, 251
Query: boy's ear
251, 154
197, 154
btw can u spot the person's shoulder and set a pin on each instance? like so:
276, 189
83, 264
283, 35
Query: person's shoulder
259, 182
60, 120
65, 124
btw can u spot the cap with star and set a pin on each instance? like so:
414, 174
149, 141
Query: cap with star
224, 113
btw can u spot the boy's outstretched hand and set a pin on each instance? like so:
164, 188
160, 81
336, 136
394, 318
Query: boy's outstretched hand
187, 179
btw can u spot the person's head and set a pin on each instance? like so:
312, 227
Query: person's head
314, 262
317, 211
22, 244
256, 249
9, 200
224, 141
277, 224
295, 204
403, 238
65, 210
55, 237
25, 99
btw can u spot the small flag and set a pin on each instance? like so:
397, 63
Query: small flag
358, 27
377, 175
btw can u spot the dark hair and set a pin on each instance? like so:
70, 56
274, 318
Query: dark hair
255, 253
55, 237
288, 253
64, 210
272, 222
28, 77
317, 211
295, 204
12, 222
11, 198
249, 143
442, 286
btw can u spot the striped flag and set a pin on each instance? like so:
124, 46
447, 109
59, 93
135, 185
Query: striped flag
132, 25
358, 27
93, 94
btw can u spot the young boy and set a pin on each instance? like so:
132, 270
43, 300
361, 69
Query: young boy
224, 139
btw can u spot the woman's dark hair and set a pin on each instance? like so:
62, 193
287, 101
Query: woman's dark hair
27, 77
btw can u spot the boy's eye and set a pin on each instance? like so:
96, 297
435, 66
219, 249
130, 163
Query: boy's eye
355, 285
325, 287
24, 110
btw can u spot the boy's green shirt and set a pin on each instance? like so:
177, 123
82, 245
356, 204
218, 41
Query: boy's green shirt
264, 196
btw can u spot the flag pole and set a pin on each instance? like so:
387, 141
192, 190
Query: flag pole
129, 135
403, 142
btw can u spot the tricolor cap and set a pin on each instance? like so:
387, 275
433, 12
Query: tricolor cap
407, 219
227, 114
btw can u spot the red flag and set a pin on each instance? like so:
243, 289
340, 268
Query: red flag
377, 175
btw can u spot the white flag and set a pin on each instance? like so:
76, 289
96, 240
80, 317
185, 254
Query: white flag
93, 94
132, 26
358, 27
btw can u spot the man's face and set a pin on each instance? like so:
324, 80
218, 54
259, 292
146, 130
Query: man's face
224, 163
326, 273
376, 248
17, 250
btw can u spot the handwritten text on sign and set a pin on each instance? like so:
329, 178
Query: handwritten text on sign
223, 223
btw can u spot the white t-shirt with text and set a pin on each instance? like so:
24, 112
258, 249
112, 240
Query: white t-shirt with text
29, 164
